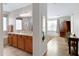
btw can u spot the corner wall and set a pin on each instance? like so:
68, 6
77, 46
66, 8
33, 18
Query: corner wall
39, 46
1, 31
75, 24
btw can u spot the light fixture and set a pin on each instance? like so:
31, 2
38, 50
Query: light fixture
51, 17
25, 14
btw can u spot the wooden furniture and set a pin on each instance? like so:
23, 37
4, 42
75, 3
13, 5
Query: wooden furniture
66, 27
23, 42
14, 40
73, 42
10, 39
62, 34
28, 43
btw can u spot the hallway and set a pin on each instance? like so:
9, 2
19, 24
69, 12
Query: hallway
57, 47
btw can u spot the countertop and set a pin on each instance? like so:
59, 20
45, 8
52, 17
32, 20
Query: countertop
21, 33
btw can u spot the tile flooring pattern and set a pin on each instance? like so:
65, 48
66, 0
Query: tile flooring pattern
11, 51
57, 46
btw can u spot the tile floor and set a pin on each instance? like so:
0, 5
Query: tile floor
11, 51
57, 46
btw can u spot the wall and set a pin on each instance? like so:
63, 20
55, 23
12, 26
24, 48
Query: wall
39, 46
75, 24
43, 44
5, 33
1, 31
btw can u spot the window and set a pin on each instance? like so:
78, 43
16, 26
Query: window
4, 23
51, 25
18, 24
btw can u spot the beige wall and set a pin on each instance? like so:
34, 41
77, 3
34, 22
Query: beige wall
1, 31
39, 46
75, 24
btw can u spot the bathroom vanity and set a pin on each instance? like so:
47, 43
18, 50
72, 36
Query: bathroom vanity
21, 41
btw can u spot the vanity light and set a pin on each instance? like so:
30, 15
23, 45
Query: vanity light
51, 17
25, 14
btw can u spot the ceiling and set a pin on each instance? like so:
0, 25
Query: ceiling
9, 7
53, 9
62, 9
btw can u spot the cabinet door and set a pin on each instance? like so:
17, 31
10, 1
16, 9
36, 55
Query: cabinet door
28, 44
10, 39
14, 40
21, 42
25, 43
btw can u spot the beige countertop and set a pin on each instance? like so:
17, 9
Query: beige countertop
21, 33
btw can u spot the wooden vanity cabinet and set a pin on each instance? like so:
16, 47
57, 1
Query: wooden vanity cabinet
14, 40
10, 39
21, 42
28, 44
